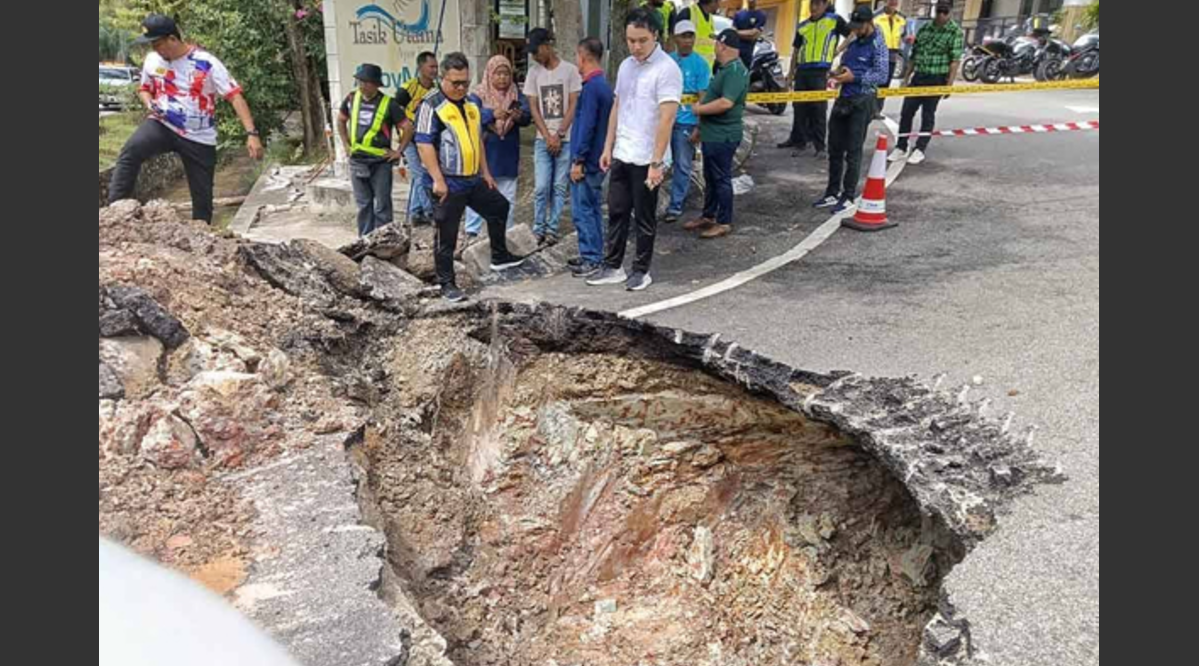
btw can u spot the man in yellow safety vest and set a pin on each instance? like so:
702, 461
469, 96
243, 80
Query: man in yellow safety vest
816, 41
892, 23
368, 118
449, 135
703, 15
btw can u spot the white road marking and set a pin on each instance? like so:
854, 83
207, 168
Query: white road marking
1086, 110
813, 241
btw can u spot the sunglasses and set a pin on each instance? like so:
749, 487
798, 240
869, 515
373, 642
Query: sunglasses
459, 84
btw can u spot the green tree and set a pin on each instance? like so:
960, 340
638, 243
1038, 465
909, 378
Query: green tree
1091, 18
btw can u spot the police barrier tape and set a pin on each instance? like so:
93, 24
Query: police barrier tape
1015, 129
932, 91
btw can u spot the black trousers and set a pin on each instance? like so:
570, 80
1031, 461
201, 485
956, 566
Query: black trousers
882, 101
628, 194
927, 106
847, 136
447, 215
152, 139
811, 118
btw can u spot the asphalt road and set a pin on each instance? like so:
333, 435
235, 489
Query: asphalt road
994, 272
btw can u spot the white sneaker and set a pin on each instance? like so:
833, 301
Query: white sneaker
897, 156
917, 157
608, 277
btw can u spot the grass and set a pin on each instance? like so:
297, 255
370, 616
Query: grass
114, 131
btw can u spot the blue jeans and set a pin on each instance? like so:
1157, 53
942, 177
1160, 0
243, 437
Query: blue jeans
372, 192
506, 187
587, 210
553, 182
718, 174
419, 200
684, 159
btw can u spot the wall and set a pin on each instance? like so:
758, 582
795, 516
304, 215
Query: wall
157, 175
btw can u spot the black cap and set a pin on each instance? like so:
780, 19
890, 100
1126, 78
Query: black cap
730, 38
860, 17
537, 38
370, 74
156, 27
944, 7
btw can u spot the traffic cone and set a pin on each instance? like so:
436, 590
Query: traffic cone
872, 211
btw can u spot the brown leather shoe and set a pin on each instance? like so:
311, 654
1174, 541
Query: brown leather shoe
716, 231
699, 224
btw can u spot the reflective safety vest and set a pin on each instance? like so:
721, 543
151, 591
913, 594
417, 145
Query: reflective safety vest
893, 28
461, 142
705, 34
820, 41
418, 93
365, 144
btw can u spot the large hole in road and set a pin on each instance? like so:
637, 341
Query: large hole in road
615, 509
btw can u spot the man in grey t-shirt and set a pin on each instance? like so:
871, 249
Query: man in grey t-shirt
553, 89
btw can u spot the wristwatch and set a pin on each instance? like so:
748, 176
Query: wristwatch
660, 166
253, 132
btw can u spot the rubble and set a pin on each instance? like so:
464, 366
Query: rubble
536, 484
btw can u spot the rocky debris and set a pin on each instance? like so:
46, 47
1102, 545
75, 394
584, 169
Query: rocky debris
170, 444
391, 287
701, 559
126, 311
233, 413
133, 362
340, 271
387, 243
947, 639
111, 386
291, 270
275, 371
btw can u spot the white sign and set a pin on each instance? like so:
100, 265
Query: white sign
391, 34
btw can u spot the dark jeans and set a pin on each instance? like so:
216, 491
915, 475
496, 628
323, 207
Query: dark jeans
628, 194
489, 204
927, 106
718, 174
882, 101
372, 183
847, 136
811, 118
152, 139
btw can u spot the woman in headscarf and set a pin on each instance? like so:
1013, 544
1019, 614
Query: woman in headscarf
505, 112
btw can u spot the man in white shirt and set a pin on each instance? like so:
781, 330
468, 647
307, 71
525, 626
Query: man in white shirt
180, 86
649, 89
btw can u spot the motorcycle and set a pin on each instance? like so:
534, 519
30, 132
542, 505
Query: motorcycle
1052, 56
1084, 60
973, 63
766, 73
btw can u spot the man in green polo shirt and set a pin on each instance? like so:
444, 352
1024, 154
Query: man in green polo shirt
721, 130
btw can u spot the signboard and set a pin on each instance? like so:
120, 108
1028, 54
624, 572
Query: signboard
514, 19
391, 34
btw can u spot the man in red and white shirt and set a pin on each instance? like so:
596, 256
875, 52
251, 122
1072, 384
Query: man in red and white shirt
180, 87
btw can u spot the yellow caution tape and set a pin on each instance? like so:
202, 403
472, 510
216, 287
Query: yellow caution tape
938, 91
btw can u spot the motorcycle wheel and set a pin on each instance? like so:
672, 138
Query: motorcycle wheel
972, 68
1050, 70
992, 71
1087, 67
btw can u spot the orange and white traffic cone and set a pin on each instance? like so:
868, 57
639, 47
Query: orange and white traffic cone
872, 211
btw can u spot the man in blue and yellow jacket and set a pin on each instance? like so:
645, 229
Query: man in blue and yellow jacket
449, 135
816, 41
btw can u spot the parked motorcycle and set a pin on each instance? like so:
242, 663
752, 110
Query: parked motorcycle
1084, 60
1051, 59
766, 73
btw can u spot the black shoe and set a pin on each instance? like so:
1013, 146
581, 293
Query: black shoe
821, 151
789, 143
422, 220
506, 261
585, 270
575, 263
670, 218
452, 294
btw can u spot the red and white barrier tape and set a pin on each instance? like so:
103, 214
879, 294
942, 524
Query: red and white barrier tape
1002, 131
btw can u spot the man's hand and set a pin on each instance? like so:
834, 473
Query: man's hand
554, 144
846, 76
695, 108
655, 178
695, 137
489, 182
606, 162
577, 174
441, 190
393, 156
254, 146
